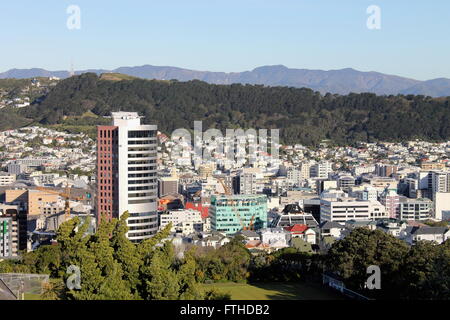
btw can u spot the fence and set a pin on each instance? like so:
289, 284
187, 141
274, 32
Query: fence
21, 284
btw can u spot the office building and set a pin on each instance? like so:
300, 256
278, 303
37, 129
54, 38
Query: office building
167, 185
438, 181
250, 181
6, 179
321, 170
126, 174
442, 206
415, 209
184, 221
385, 170
231, 214
346, 182
344, 209
33, 202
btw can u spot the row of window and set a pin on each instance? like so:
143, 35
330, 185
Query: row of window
105, 181
142, 134
108, 133
142, 181
141, 188
141, 227
141, 175
141, 201
141, 168
141, 195
141, 161
142, 149
131, 142
134, 221
142, 155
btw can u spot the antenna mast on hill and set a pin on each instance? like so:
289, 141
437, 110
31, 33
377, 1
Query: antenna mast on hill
72, 71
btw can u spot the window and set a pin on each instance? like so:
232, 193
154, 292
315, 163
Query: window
131, 142
141, 134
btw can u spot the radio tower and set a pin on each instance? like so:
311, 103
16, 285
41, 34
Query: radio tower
71, 72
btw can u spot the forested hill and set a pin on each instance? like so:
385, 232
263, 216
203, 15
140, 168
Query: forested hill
304, 116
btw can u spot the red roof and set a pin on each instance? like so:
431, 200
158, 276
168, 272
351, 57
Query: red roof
297, 228
198, 207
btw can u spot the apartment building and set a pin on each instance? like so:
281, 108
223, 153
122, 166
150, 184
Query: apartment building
321, 169
9, 231
415, 209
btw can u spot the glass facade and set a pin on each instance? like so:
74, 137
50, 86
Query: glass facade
231, 214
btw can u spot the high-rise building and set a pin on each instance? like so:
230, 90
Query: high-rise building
231, 214
438, 181
126, 174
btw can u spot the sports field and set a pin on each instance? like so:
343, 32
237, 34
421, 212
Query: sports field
275, 291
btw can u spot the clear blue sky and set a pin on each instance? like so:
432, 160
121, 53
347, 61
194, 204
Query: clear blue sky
229, 35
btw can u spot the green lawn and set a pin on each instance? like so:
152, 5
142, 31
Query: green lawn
275, 291
32, 296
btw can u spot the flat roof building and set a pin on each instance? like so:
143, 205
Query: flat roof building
231, 214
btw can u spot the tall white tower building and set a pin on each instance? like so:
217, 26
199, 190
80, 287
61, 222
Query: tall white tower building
126, 173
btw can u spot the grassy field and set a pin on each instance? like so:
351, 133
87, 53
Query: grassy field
32, 296
275, 291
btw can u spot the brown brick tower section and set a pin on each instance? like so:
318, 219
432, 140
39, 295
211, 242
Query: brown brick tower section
107, 169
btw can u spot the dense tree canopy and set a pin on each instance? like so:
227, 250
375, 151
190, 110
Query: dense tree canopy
111, 267
304, 116
417, 272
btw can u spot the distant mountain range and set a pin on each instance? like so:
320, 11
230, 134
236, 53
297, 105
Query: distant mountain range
341, 81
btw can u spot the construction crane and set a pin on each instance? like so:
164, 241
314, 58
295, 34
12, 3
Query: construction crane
65, 195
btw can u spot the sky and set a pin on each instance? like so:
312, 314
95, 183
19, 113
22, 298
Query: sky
229, 36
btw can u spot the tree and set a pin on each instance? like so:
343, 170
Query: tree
426, 270
351, 256
164, 283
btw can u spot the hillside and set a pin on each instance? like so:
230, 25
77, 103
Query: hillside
342, 81
304, 116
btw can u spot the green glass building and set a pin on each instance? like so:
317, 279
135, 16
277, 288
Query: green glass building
231, 214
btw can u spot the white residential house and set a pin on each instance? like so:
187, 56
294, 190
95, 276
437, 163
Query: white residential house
435, 234
331, 228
